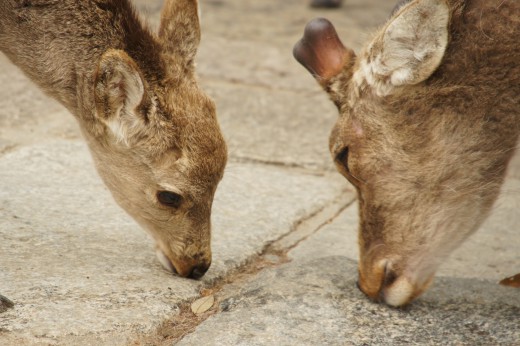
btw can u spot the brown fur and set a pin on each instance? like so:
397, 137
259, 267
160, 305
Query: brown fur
147, 123
428, 159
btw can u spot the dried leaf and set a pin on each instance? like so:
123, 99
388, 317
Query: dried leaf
202, 305
513, 281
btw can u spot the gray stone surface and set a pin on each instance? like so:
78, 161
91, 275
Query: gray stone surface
264, 114
26, 114
316, 302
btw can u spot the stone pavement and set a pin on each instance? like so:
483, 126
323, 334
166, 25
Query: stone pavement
81, 272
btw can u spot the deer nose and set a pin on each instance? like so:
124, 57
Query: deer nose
193, 270
198, 271
190, 268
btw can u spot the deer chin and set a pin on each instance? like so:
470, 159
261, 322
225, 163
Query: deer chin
165, 261
173, 266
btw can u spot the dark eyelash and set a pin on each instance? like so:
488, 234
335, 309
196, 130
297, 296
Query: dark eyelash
342, 158
169, 199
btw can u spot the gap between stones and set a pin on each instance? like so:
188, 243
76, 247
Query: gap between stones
273, 255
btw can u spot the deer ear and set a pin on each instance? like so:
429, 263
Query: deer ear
410, 48
119, 90
179, 31
321, 51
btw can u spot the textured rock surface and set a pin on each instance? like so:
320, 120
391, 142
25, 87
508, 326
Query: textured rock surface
316, 302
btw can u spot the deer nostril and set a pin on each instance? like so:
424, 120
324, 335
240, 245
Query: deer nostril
198, 271
390, 277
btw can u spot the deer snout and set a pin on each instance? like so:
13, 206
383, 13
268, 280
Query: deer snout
193, 268
382, 283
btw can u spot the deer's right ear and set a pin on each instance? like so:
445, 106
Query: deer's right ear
321, 52
179, 31
410, 48
118, 91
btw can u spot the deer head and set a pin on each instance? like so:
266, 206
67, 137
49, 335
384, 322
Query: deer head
413, 140
159, 148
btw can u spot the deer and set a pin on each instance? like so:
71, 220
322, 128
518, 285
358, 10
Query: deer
429, 118
151, 130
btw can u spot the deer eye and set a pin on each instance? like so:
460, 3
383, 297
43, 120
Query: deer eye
169, 199
342, 158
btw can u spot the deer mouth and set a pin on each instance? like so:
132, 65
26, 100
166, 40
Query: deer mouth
403, 291
381, 283
165, 261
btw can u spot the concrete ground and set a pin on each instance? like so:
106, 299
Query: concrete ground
81, 272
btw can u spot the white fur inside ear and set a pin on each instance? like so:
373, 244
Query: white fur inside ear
401, 76
117, 129
409, 49
126, 90
124, 127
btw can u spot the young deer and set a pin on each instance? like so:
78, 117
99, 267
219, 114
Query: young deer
429, 119
152, 131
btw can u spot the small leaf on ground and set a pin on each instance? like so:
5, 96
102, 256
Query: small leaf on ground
202, 305
513, 281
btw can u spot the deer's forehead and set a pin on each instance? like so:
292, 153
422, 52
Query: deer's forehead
396, 129
194, 170
187, 118
412, 109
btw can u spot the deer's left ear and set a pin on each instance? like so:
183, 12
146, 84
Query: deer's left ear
179, 31
321, 51
410, 47
118, 91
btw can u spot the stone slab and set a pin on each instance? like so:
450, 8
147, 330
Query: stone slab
255, 46
315, 302
77, 266
274, 126
26, 113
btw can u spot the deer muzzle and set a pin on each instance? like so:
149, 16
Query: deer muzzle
193, 268
382, 282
